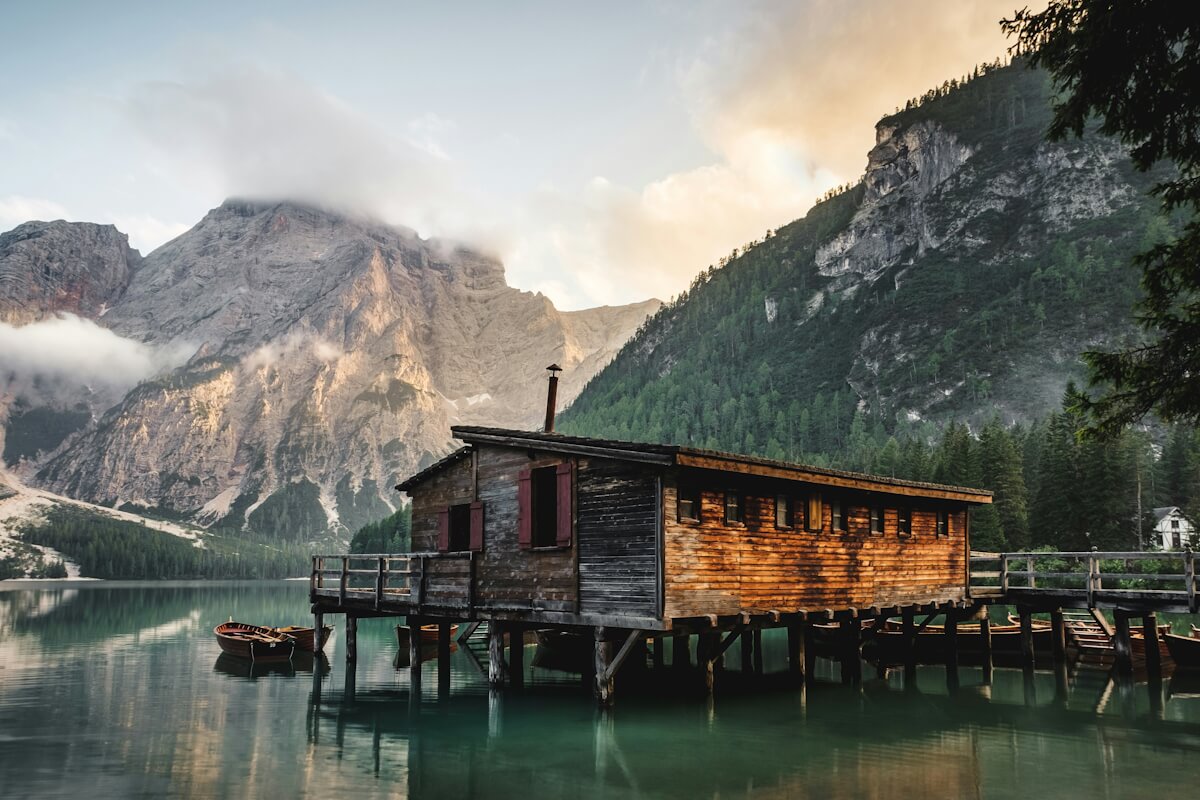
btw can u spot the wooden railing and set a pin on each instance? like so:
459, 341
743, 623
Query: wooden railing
1107, 576
390, 579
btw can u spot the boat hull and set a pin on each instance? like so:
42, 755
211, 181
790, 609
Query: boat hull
254, 643
429, 634
1185, 651
306, 639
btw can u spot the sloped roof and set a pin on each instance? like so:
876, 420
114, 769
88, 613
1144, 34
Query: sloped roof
1164, 511
676, 455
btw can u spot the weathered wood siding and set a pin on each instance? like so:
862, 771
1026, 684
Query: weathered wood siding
446, 581
617, 507
712, 567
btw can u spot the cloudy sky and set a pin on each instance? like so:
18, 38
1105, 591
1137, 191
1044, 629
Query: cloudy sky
607, 152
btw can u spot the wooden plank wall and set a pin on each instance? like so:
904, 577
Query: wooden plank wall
715, 568
617, 527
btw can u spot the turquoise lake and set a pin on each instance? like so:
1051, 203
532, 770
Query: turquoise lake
117, 690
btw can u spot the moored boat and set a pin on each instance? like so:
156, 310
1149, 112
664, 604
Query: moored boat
1184, 650
429, 634
254, 642
306, 637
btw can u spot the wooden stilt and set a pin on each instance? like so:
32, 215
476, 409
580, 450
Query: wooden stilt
951, 631
351, 638
443, 656
985, 638
1123, 650
1059, 636
605, 683
909, 629
796, 652
758, 652
1027, 656
496, 668
414, 650
707, 656
1153, 653
516, 656
851, 651
747, 644
657, 655
810, 653
681, 656
318, 626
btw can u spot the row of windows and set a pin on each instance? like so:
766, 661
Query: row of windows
803, 512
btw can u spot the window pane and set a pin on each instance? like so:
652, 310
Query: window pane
876, 520
783, 515
733, 510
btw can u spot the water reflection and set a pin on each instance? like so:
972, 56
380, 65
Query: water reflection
119, 691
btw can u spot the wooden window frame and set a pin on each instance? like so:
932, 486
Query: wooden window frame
679, 493
942, 525
839, 520
737, 504
789, 512
813, 502
877, 517
904, 520
561, 534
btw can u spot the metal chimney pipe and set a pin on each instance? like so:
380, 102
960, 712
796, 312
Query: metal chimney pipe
552, 396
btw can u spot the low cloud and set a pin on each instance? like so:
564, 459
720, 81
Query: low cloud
288, 348
257, 133
15, 209
80, 352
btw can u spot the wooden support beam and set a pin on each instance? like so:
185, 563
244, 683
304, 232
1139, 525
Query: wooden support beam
657, 658
318, 628
758, 652
951, 636
414, 650
496, 666
795, 652
443, 654
634, 639
747, 651
910, 643
809, 652
707, 655
351, 638
1122, 649
985, 641
851, 644
516, 655
681, 656
1058, 627
1027, 655
1153, 654
466, 631
604, 685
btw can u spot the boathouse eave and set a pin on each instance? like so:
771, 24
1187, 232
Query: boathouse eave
437, 466
675, 455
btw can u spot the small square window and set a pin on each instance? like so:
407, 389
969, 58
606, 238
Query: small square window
733, 507
837, 512
877, 520
688, 504
812, 520
783, 511
904, 522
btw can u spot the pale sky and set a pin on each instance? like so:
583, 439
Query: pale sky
606, 152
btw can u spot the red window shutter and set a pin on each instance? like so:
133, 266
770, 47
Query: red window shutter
477, 525
524, 510
444, 530
566, 508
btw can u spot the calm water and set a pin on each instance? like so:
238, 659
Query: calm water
117, 691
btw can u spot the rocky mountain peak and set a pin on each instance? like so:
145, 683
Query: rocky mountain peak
51, 267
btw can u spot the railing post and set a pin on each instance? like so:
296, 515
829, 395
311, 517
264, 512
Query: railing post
471, 584
1029, 565
1092, 579
379, 583
1189, 577
1004, 573
312, 578
345, 577
421, 585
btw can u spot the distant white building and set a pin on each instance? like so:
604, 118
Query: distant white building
1175, 531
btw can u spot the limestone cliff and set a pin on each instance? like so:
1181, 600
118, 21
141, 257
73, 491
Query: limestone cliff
330, 356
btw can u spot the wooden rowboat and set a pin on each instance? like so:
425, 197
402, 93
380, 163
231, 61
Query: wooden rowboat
429, 634
1184, 650
305, 638
254, 642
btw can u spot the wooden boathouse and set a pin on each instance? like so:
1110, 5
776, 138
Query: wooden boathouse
628, 542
